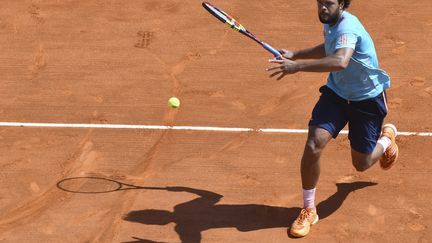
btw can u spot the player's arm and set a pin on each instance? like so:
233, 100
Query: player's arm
336, 62
315, 52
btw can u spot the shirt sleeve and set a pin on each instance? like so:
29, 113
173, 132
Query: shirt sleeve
346, 40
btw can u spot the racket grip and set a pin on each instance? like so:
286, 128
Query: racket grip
272, 50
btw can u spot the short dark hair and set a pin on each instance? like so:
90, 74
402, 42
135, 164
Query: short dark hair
346, 3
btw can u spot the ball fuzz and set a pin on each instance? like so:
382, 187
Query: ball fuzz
174, 102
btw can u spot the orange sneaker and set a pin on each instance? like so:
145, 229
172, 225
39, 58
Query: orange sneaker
304, 221
390, 156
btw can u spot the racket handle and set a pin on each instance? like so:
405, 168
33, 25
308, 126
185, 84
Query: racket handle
273, 51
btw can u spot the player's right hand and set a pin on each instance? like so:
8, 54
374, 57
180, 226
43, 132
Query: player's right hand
287, 54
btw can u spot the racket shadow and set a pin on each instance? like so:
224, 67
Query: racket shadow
96, 185
139, 240
203, 213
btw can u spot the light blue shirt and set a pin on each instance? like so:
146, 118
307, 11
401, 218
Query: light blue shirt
362, 79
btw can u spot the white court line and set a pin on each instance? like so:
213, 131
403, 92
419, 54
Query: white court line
188, 128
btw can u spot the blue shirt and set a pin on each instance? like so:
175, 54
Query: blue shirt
362, 79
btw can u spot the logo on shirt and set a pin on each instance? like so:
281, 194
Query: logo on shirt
343, 39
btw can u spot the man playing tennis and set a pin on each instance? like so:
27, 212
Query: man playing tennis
354, 94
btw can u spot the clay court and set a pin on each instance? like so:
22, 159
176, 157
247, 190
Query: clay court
117, 62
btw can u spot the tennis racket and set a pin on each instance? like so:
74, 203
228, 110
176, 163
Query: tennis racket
92, 185
230, 21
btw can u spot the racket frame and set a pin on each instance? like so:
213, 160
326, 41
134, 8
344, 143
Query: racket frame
234, 24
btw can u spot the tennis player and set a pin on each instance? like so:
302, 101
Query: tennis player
354, 95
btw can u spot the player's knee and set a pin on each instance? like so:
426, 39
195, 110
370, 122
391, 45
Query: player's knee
314, 147
360, 168
360, 164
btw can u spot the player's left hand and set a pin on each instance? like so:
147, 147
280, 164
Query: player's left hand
285, 67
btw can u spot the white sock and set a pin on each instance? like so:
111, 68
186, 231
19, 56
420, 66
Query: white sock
309, 198
385, 142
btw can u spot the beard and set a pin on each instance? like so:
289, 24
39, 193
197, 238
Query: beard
328, 18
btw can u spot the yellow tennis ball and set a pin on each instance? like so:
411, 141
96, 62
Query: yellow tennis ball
174, 102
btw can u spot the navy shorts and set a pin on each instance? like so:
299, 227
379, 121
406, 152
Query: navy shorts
365, 118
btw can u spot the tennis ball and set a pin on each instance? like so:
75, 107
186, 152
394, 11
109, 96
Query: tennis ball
174, 102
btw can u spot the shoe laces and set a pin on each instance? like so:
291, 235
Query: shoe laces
304, 214
391, 150
388, 134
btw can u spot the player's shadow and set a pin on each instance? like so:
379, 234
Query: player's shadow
200, 214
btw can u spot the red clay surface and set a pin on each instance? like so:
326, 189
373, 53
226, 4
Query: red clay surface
118, 62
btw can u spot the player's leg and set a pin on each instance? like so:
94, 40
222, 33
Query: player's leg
318, 138
368, 143
386, 151
310, 163
363, 161
327, 120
